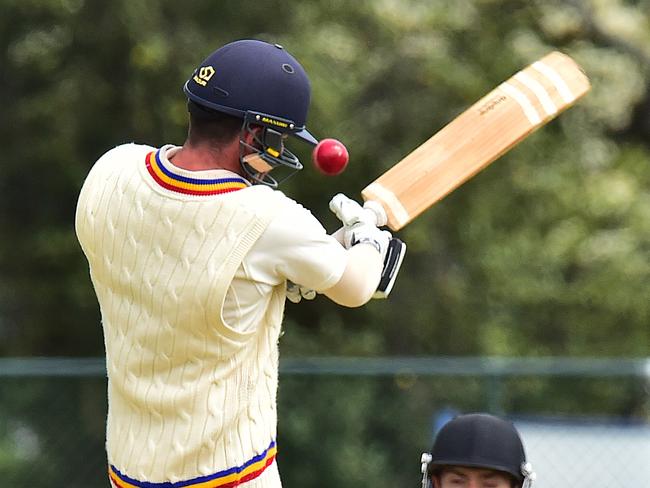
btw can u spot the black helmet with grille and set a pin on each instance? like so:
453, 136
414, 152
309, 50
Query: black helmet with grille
480, 441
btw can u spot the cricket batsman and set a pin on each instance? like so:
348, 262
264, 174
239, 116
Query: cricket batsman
192, 252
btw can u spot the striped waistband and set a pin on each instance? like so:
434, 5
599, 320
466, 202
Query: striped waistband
228, 478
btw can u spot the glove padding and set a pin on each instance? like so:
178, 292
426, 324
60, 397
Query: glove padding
295, 292
360, 224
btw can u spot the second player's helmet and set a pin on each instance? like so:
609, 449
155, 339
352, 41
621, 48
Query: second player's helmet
265, 86
479, 441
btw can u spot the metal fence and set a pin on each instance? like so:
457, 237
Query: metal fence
359, 421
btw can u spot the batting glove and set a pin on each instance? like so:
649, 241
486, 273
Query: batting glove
295, 292
360, 224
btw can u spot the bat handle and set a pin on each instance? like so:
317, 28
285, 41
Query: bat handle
373, 210
377, 212
350, 212
394, 254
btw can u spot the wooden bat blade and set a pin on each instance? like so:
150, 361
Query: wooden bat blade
477, 137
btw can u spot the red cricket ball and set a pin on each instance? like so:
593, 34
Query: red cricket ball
330, 157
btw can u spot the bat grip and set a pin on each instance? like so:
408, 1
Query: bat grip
377, 212
350, 212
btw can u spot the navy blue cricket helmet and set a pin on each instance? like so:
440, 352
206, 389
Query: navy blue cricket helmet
252, 77
265, 86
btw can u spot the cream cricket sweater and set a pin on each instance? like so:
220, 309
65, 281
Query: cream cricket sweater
191, 399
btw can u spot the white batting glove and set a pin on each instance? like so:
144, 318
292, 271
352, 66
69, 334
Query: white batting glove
295, 292
360, 224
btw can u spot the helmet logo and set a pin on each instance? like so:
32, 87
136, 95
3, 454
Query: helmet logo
278, 123
203, 75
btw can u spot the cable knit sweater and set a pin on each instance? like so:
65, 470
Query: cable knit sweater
192, 401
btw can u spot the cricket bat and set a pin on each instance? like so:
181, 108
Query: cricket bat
477, 137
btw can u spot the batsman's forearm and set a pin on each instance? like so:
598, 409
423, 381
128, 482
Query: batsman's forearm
360, 278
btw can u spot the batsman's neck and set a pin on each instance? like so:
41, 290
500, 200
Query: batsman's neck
205, 157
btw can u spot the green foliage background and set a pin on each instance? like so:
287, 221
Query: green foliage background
544, 253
